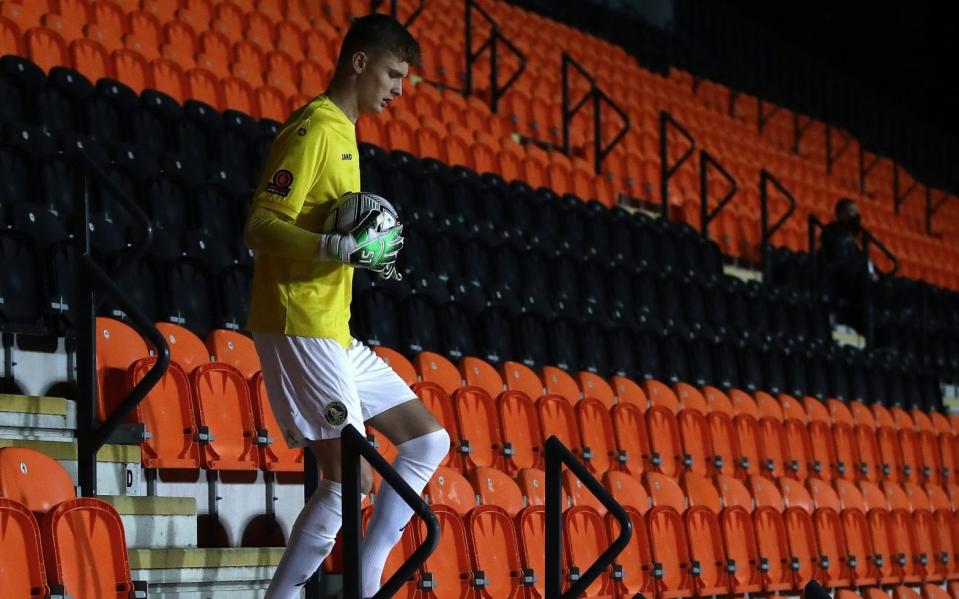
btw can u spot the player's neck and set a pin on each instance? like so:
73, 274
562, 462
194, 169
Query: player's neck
345, 99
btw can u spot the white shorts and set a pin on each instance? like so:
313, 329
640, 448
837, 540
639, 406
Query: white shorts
316, 387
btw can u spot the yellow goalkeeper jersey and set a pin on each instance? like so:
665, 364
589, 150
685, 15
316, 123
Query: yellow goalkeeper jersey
312, 162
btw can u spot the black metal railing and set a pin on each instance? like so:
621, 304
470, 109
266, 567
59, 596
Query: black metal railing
90, 279
354, 446
705, 215
799, 129
899, 197
492, 42
665, 170
557, 455
598, 96
767, 231
865, 168
933, 206
394, 10
831, 156
762, 116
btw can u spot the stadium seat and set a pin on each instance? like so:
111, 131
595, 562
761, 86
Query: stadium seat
667, 540
596, 433
636, 560
557, 417
235, 349
398, 363
521, 378
449, 488
906, 546
480, 373
449, 566
33, 479
531, 536
494, 550
224, 409
494, 487
773, 445
84, 536
585, 539
774, 549
725, 458
186, 349
478, 442
274, 453
748, 440
520, 427
167, 414
23, 573
804, 549
700, 491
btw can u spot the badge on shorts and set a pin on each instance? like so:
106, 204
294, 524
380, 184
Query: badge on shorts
336, 413
281, 183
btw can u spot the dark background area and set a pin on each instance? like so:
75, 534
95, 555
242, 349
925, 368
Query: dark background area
907, 53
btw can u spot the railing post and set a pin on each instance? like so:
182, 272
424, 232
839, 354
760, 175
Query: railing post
706, 217
85, 318
557, 455
353, 446
666, 171
554, 528
598, 97
765, 178
492, 42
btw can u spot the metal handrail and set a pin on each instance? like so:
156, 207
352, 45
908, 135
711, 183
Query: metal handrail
89, 278
765, 178
376, 4
665, 171
899, 198
865, 169
598, 96
933, 207
831, 158
705, 216
496, 92
353, 446
557, 455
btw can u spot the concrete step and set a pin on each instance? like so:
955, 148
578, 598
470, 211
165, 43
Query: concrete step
118, 466
37, 417
192, 573
156, 522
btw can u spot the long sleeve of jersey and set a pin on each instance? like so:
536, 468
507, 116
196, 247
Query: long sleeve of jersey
269, 232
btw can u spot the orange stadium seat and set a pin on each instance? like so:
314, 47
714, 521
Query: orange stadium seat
666, 454
521, 378
557, 418
274, 453
23, 570
695, 441
45, 47
495, 487
449, 488
531, 536
91, 59
632, 442
479, 373
667, 536
494, 550
82, 536
775, 552
747, 441
579, 494
585, 539
223, 407
635, 563
628, 391
449, 566
520, 427
478, 441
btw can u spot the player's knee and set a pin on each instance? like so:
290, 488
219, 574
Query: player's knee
366, 478
437, 447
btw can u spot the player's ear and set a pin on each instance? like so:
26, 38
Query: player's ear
360, 62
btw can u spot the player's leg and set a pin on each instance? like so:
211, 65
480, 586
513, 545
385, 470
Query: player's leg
421, 444
309, 385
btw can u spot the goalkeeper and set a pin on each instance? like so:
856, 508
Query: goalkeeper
317, 376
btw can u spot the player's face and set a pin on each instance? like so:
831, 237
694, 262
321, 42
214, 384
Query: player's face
381, 81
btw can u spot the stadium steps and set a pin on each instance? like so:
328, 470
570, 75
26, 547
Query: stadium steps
156, 522
192, 573
37, 418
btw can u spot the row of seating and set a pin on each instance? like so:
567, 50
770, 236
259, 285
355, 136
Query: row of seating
54, 542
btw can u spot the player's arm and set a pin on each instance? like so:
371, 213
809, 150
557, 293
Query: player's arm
297, 156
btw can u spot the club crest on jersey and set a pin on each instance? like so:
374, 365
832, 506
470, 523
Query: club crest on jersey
336, 413
281, 183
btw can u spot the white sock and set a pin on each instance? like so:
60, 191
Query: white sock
416, 462
311, 540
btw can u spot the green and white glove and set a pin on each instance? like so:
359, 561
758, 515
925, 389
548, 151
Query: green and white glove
365, 247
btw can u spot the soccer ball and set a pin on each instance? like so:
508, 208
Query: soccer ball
358, 211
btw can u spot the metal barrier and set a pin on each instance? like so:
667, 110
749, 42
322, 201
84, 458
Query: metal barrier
598, 96
899, 197
354, 446
666, 171
933, 206
831, 157
556, 455
376, 4
705, 216
492, 42
765, 178
90, 279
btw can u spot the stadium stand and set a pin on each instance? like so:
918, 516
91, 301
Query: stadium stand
752, 452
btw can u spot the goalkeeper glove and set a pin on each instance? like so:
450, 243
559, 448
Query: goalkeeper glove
369, 248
